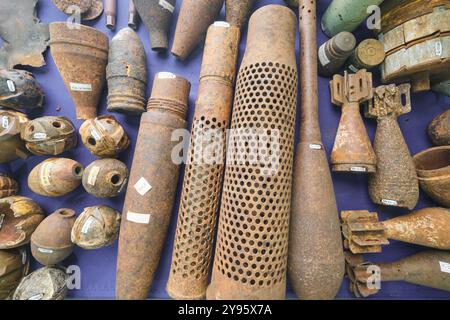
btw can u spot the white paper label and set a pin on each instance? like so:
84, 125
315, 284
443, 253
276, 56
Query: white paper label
11, 85
44, 250
83, 87
87, 225
323, 56
389, 202
5, 122
142, 186
353, 68
438, 48
92, 178
221, 24
166, 5
45, 174
40, 135
138, 217
358, 169
445, 266
166, 75
315, 146
24, 256
36, 297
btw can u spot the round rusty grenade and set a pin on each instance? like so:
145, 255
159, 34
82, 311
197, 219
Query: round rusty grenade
96, 227
104, 137
11, 145
19, 217
55, 177
105, 178
50, 243
49, 135
8, 186
14, 265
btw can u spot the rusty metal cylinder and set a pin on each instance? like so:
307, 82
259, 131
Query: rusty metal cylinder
111, 13
152, 187
133, 16
439, 129
192, 250
237, 11
8, 186
252, 243
19, 89
367, 55
333, 53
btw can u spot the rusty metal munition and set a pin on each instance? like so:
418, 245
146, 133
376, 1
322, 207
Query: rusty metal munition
126, 73
439, 129
8, 186
152, 187
14, 265
55, 177
364, 233
333, 53
49, 135
252, 243
428, 268
193, 21
352, 151
19, 89
238, 11
12, 149
19, 217
81, 55
316, 259
111, 13
133, 16
68, 6
96, 227
192, 250
104, 136
105, 178
433, 170
157, 17
367, 55
48, 283
94, 11
12, 146
395, 181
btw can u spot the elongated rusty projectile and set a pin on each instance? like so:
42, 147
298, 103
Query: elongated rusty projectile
111, 13
237, 11
133, 16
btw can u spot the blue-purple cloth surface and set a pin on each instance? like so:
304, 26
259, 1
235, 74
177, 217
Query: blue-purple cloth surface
98, 267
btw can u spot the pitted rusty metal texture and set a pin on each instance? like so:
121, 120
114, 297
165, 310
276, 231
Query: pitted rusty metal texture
192, 251
439, 129
12, 146
238, 11
367, 55
395, 181
251, 251
105, 178
352, 151
19, 89
8, 186
14, 265
67, 6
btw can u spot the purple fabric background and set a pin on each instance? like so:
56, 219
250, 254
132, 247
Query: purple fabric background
98, 266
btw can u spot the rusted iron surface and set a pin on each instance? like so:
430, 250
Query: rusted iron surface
367, 55
316, 260
105, 178
8, 186
12, 147
126, 73
395, 181
19, 217
19, 89
238, 11
133, 16
94, 11
25, 37
193, 21
55, 177
14, 265
111, 13
352, 151
81, 55
152, 187
96, 227
433, 169
439, 129
192, 250
333, 53
67, 6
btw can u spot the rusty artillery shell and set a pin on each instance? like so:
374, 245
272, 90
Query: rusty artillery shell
192, 250
81, 55
8, 186
251, 251
367, 55
104, 137
50, 242
67, 6
105, 178
427, 268
193, 21
14, 265
49, 135
316, 259
152, 187
19, 217
157, 16
55, 177
19, 89
395, 181
111, 13
352, 151
237, 11
127, 73
433, 170
96, 227
133, 16
439, 129
333, 53
363, 233
12, 146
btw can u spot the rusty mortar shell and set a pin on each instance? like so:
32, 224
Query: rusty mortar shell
433, 170
316, 258
193, 21
439, 129
252, 243
96, 227
127, 73
152, 188
49, 135
157, 17
105, 178
55, 177
364, 233
428, 268
111, 13
81, 55
68, 6
12, 147
14, 265
8, 186
19, 89
395, 181
333, 53
197, 217
48, 283
238, 11
367, 55
352, 151
104, 136
50, 242
133, 16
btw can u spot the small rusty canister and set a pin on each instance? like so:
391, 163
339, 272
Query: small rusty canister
367, 55
192, 250
333, 53
439, 129
152, 187
105, 178
111, 13
12, 146
19, 89
8, 186
126, 73
238, 11
14, 265
133, 16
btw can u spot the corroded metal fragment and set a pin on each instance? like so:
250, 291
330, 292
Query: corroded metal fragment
105, 178
439, 129
238, 11
111, 13
367, 55
12, 146
8, 186
67, 6
48, 283
94, 11
19, 89
133, 16
14, 265
333, 53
